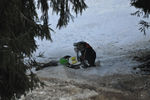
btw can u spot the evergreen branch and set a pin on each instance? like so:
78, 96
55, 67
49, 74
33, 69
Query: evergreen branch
144, 25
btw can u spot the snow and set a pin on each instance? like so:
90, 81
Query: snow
107, 25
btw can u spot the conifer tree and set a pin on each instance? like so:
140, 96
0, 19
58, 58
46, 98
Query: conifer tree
19, 24
143, 7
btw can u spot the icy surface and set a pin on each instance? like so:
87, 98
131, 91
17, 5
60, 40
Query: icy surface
107, 25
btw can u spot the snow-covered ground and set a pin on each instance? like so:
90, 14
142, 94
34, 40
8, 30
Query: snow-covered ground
107, 25
113, 33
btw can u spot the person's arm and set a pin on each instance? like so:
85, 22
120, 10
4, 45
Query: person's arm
77, 52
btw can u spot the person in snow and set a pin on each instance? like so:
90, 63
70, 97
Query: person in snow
87, 54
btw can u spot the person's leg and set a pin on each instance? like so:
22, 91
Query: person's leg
91, 59
91, 62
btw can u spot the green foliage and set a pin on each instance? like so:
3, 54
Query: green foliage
144, 26
143, 7
62, 8
19, 25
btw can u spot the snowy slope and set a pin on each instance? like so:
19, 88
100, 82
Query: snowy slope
108, 27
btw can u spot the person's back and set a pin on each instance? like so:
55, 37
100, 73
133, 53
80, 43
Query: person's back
87, 53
